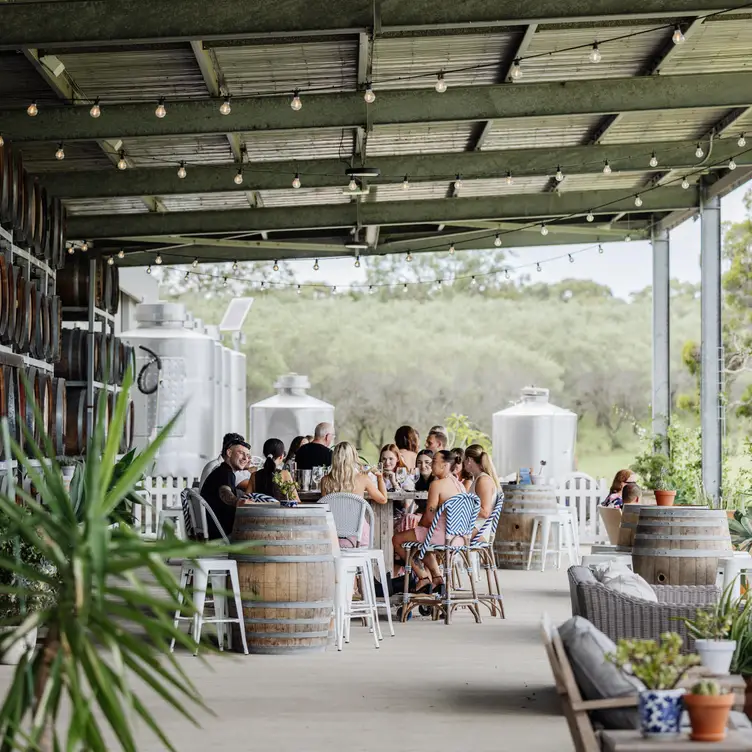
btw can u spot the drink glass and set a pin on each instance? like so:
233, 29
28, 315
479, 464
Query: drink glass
401, 476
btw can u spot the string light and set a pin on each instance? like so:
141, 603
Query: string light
628, 238
685, 184
457, 182
544, 229
370, 95
225, 108
370, 289
296, 102
509, 177
296, 181
357, 261
678, 37
161, 110
148, 269
653, 160
638, 200
224, 281
111, 260
452, 249
409, 257
95, 110
158, 260
571, 258
263, 285
352, 185
71, 250
538, 267
742, 141
441, 84
497, 240
606, 168
182, 172
298, 290
732, 164
699, 153
84, 246
559, 174
122, 164
238, 179
187, 276
334, 289
316, 266
121, 254
2, 142
516, 73
439, 282
404, 287
590, 217
506, 273
600, 248
234, 266
472, 281
405, 184
32, 110
60, 153
194, 263
595, 54
276, 266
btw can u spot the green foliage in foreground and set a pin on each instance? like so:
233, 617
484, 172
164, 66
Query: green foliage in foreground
104, 627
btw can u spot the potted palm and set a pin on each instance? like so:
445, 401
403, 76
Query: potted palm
660, 666
708, 706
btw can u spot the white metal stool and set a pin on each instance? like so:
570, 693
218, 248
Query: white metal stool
175, 517
375, 555
346, 609
562, 529
216, 570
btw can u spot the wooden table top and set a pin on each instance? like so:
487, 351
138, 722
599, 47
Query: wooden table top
391, 495
633, 741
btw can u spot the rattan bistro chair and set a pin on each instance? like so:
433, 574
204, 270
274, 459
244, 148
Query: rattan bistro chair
482, 547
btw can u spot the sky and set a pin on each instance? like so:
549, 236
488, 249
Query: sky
624, 267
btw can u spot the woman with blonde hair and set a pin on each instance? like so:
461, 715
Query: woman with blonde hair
484, 482
345, 476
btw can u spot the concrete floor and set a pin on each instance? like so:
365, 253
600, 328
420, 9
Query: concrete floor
464, 687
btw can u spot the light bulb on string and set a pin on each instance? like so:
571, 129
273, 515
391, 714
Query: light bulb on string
234, 266
95, 110
32, 110
506, 274
84, 246
298, 290
699, 152
457, 182
263, 285
71, 250
441, 84
148, 269
606, 168
316, 265
509, 177
439, 281
404, 287
296, 181
276, 266
158, 260
296, 102
516, 73
452, 249
187, 275
473, 282
334, 289
732, 164
544, 229
559, 174
600, 248
182, 172
224, 281
538, 267
409, 257
122, 164
742, 141
2, 142
653, 160
370, 290
369, 96
225, 108
638, 200
60, 153
405, 184
161, 110
685, 184
121, 254
352, 185
111, 260
571, 258
595, 54
590, 216
357, 262
194, 263
497, 240
677, 37
238, 179
628, 238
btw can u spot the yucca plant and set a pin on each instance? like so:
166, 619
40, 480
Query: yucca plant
740, 528
103, 627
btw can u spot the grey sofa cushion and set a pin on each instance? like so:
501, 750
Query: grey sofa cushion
578, 574
597, 678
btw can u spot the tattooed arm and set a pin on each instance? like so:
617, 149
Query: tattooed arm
226, 496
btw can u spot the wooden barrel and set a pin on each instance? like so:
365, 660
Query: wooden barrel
19, 203
286, 578
35, 313
9, 336
75, 421
24, 313
521, 505
56, 329
57, 426
4, 296
630, 513
6, 177
126, 441
680, 545
111, 288
73, 283
75, 353
8, 392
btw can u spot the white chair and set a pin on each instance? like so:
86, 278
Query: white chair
562, 528
205, 569
350, 513
348, 567
173, 516
730, 568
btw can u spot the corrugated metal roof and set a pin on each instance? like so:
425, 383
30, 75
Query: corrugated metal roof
403, 57
170, 150
79, 155
718, 45
20, 84
303, 197
500, 187
135, 75
618, 59
531, 133
88, 206
270, 68
416, 192
206, 201
600, 182
664, 125
419, 138
303, 144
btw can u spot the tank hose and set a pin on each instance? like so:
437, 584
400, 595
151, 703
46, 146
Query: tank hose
140, 380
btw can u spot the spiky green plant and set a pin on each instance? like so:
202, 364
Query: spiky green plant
708, 688
717, 622
104, 628
740, 528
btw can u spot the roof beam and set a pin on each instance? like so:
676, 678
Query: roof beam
96, 22
330, 172
525, 207
346, 110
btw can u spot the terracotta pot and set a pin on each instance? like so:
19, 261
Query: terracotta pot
708, 715
664, 498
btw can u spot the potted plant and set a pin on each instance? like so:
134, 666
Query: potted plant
708, 706
287, 488
660, 666
654, 468
740, 528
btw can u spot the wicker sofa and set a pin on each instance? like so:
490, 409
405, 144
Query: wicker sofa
622, 616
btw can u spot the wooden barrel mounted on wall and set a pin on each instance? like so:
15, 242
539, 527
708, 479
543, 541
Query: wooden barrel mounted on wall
56, 329
19, 203
680, 545
74, 358
111, 288
9, 402
521, 505
630, 513
75, 421
9, 335
286, 580
4, 297
24, 313
6, 172
73, 283
126, 442
57, 427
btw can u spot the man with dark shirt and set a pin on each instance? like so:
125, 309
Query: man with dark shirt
317, 453
219, 490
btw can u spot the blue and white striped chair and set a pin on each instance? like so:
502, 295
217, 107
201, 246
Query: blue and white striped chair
263, 498
460, 512
482, 546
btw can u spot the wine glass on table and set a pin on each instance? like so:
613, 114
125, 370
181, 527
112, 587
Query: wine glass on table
401, 474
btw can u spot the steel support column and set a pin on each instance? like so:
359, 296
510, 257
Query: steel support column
661, 333
711, 383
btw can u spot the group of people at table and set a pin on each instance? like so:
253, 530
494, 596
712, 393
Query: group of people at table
440, 473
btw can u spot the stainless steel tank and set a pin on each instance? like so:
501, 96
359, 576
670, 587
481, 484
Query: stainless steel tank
187, 358
218, 380
289, 413
534, 430
227, 420
238, 396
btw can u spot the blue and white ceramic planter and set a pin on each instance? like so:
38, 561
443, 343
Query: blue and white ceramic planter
660, 712
289, 503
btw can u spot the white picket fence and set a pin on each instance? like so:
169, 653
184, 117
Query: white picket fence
584, 493
159, 492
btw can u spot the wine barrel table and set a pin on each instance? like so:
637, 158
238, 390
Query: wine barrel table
286, 578
680, 545
521, 505
630, 513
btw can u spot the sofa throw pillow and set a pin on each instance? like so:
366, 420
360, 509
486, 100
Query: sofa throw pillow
597, 678
609, 569
628, 583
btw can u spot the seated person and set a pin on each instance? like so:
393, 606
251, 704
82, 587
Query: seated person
614, 495
484, 482
408, 442
631, 493
295, 444
265, 480
423, 466
459, 469
390, 460
219, 489
316, 453
436, 440
209, 466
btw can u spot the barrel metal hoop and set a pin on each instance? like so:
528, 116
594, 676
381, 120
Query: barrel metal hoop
285, 635
650, 537
247, 559
288, 604
681, 553
292, 542
322, 620
287, 529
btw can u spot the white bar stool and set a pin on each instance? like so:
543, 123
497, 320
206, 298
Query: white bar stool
346, 609
175, 517
729, 569
375, 555
562, 529
216, 570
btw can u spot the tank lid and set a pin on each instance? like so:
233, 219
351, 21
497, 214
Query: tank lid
213, 331
292, 383
534, 394
160, 313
